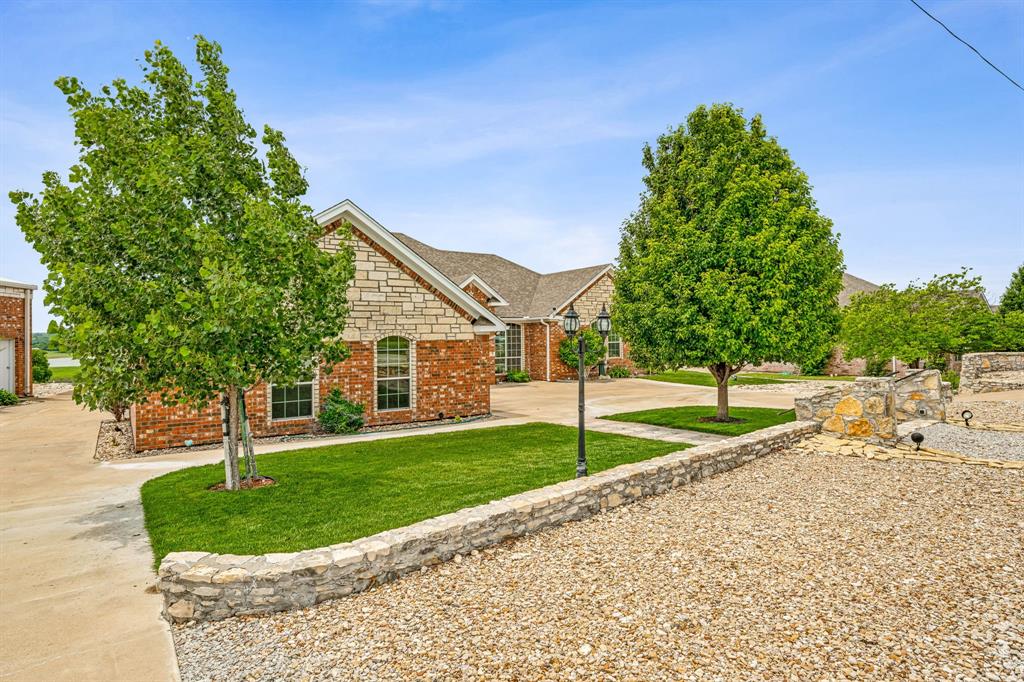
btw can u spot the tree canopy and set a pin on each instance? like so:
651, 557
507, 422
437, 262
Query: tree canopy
177, 255
947, 315
727, 260
594, 345
1013, 297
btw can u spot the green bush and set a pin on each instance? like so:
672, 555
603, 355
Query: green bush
593, 355
953, 378
7, 398
338, 415
619, 372
40, 366
876, 367
517, 376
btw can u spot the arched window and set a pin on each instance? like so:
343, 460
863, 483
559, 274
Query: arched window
508, 349
393, 373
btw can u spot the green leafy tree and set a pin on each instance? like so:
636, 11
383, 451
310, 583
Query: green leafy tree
176, 254
1013, 297
945, 316
41, 371
53, 329
727, 261
595, 349
1011, 331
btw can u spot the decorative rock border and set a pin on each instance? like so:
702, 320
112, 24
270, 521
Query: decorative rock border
201, 586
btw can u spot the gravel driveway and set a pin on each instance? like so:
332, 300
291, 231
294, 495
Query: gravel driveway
796, 566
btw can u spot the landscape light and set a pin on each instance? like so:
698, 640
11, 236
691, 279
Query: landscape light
918, 438
603, 322
571, 322
968, 416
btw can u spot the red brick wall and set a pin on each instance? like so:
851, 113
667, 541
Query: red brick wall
452, 379
12, 326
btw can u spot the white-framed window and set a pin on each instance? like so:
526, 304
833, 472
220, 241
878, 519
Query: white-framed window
393, 374
508, 349
292, 402
614, 345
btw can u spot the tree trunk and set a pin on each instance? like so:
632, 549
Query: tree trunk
251, 471
722, 372
231, 477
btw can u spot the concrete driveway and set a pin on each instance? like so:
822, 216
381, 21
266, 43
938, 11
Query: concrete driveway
74, 560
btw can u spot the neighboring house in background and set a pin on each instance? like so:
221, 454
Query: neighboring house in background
422, 348
16, 336
531, 305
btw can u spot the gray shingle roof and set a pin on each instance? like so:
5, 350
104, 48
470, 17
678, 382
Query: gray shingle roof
529, 293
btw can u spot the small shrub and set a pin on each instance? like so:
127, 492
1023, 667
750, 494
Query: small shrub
619, 372
953, 378
876, 367
7, 398
595, 349
41, 371
339, 415
517, 376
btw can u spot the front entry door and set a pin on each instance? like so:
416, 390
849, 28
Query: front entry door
7, 364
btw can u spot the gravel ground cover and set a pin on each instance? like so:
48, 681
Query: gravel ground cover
798, 566
989, 411
50, 388
974, 442
800, 389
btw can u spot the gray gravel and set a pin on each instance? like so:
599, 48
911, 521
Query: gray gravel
989, 411
974, 442
798, 566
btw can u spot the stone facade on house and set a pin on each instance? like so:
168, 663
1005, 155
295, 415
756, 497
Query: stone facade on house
450, 359
16, 337
198, 586
870, 408
990, 372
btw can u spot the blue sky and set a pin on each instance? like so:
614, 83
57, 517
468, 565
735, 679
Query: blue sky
517, 128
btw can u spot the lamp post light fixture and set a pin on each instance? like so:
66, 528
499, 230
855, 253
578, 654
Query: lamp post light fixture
571, 325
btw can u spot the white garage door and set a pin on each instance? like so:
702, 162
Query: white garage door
7, 364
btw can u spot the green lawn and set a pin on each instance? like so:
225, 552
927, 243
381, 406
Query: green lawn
702, 377
754, 418
337, 493
50, 354
65, 374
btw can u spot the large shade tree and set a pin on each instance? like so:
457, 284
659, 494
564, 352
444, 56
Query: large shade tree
178, 254
1013, 298
727, 261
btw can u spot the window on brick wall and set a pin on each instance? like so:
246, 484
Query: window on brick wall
614, 345
393, 373
508, 349
291, 402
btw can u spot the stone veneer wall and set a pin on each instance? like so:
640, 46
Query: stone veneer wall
871, 407
201, 586
976, 365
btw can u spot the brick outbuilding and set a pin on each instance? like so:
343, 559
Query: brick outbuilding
16, 337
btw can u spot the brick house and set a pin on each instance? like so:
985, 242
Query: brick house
531, 305
422, 348
16, 337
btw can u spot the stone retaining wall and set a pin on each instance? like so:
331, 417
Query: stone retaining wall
870, 407
975, 366
201, 586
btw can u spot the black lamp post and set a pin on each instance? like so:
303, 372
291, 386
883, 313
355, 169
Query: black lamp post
571, 325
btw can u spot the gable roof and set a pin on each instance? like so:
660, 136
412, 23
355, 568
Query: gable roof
485, 321
528, 293
854, 285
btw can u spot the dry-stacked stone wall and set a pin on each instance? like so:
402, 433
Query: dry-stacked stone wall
201, 586
988, 372
871, 407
